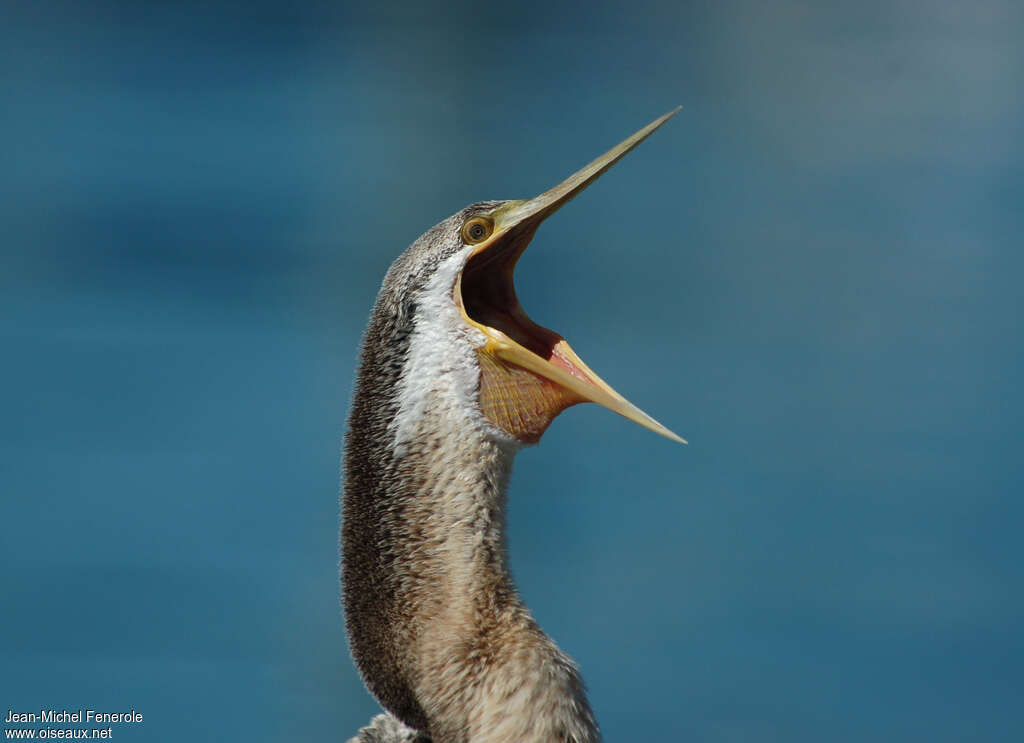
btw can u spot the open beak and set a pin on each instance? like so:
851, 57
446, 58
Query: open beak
529, 374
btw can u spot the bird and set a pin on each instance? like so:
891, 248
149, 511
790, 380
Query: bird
454, 378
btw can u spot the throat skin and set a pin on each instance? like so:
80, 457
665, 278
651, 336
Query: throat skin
435, 624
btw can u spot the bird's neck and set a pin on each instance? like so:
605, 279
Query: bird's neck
435, 623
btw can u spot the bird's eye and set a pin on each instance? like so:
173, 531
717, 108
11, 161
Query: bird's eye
476, 230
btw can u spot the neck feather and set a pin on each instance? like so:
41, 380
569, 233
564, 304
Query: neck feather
435, 624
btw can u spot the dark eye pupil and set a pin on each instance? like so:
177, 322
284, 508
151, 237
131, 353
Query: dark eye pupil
476, 231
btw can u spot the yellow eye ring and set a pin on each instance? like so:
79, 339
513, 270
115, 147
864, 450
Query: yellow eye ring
476, 230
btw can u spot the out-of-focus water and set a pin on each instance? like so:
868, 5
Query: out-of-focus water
812, 273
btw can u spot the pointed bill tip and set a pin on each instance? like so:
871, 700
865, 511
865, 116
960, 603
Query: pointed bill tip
631, 412
543, 206
676, 437
672, 113
658, 122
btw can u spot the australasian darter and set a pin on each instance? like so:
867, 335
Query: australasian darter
454, 379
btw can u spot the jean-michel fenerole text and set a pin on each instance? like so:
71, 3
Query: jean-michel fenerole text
80, 715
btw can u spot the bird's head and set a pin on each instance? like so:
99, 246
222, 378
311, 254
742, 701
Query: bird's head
468, 343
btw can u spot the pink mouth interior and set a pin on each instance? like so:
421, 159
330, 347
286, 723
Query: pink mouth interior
489, 298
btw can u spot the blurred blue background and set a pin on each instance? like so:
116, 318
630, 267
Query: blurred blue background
813, 273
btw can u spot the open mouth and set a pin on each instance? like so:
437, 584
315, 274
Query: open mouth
489, 299
529, 374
